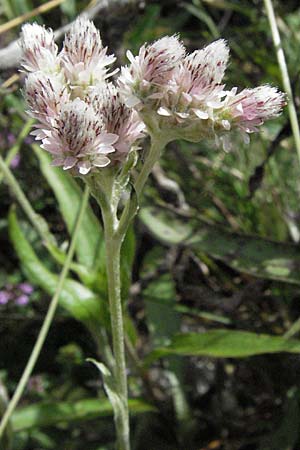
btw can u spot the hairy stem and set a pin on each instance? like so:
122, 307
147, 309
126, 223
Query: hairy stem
47, 321
113, 256
284, 73
157, 145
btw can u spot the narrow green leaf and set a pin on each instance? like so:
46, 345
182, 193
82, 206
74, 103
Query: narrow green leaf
224, 344
68, 195
250, 254
78, 300
50, 414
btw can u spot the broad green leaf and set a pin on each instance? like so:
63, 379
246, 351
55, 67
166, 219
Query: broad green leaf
250, 254
68, 194
78, 300
224, 343
49, 414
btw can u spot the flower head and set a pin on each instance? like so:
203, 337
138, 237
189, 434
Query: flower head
117, 117
79, 139
39, 49
252, 107
150, 70
83, 57
189, 101
45, 95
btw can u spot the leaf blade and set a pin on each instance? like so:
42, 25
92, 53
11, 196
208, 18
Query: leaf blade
223, 343
52, 413
257, 256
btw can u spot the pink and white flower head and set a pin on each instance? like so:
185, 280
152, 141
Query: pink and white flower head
252, 107
195, 89
150, 70
189, 101
45, 95
39, 49
83, 58
79, 140
117, 117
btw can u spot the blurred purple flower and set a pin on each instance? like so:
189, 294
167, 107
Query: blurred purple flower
16, 161
22, 300
4, 297
26, 288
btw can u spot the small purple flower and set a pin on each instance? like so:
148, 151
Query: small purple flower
26, 288
4, 297
15, 162
22, 300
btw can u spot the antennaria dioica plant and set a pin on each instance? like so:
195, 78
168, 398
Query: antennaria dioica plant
94, 128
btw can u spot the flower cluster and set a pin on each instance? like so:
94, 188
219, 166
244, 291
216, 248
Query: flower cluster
18, 294
82, 120
184, 95
86, 122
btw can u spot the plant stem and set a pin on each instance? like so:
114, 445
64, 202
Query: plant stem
157, 145
284, 73
47, 321
113, 255
37, 221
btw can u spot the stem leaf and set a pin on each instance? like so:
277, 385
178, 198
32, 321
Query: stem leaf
224, 343
246, 253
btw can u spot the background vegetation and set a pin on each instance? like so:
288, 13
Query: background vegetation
214, 255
